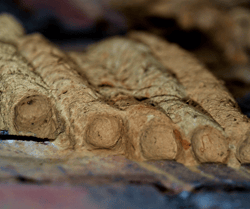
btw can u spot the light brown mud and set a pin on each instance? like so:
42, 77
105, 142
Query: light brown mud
147, 101
27, 106
130, 67
206, 90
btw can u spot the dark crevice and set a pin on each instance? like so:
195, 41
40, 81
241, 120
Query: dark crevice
160, 22
157, 185
27, 180
152, 104
5, 136
105, 85
221, 187
168, 27
141, 99
196, 106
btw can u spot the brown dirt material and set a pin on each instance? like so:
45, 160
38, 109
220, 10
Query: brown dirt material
203, 88
137, 96
135, 69
81, 107
27, 106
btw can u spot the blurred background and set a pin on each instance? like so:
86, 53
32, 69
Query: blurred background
217, 32
72, 24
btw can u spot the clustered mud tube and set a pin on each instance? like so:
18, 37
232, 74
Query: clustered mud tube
120, 96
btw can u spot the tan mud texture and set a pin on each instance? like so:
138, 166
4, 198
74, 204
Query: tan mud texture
27, 106
138, 96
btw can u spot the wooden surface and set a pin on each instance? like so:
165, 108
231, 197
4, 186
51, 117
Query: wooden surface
27, 179
28, 165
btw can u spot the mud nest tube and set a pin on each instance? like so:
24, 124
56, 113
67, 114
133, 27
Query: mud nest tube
142, 113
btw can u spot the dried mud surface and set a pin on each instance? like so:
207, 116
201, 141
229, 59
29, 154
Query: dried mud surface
137, 96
